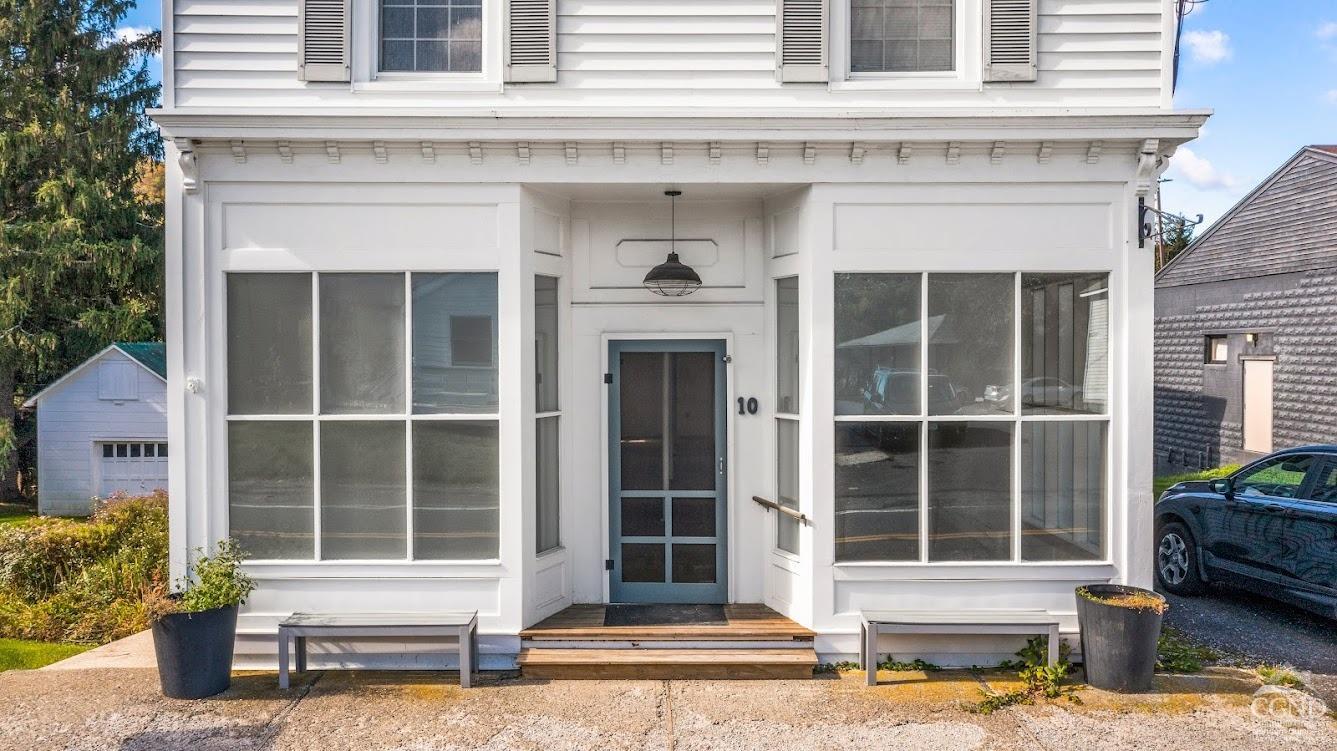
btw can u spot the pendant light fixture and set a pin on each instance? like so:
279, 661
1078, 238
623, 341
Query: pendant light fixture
672, 278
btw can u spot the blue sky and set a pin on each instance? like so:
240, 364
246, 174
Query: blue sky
1267, 67
1269, 70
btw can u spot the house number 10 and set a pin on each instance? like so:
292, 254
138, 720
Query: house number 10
747, 406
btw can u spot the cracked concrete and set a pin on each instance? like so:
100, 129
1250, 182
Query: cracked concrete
121, 708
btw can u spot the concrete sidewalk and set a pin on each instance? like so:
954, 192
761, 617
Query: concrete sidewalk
121, 708
131, 652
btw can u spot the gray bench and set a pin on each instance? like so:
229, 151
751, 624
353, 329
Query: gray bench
874, 623
297, 628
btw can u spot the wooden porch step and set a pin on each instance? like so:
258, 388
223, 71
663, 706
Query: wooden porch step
667, 664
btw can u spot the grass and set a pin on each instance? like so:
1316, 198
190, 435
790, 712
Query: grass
20, 654
1279, 675
1160, 484
16, 513
1176, 653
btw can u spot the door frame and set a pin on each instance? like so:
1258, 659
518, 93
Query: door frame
605, 455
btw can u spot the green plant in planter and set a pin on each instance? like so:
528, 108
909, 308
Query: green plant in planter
217, 582
1132, 600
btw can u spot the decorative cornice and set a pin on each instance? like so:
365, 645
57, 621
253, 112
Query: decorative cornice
379, 152
332, 152
285, 151
903, 155
238, 151
1148, 162
428, 151
1045, 153
953, 152
856, 152
1093, 152
475, 152
190, 167
790, 125
522, 153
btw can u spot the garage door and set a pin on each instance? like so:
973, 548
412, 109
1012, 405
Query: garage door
132, 467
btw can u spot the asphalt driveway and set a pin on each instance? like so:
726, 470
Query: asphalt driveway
1246, 629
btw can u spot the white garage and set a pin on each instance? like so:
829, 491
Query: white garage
102, 429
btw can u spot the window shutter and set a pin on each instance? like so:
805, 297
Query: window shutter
531, 41
1010, 40
323, 40
802, 54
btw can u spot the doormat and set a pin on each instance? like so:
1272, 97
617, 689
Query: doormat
665, 615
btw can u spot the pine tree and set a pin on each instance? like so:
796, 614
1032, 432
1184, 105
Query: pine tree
80, 237
1178, 235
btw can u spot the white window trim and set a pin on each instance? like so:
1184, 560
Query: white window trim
368, 78
967, 56
1016, 417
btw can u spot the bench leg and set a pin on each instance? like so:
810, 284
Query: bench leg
870, 652
301, 653
1053, 646
466, 639
283, 658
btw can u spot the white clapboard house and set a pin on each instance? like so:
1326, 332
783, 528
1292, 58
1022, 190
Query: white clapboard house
427, 351
102, 429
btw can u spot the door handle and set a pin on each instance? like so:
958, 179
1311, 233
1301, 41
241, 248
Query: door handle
721, 465
1275, 508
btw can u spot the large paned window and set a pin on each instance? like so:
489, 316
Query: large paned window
353, 431
787, 412
901, 36
546, 435
972, 417
431, 35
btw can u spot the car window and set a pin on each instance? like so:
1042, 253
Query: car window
1280, 477
1325, 486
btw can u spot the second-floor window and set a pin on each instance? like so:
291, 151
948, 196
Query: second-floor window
432, 36
901, 36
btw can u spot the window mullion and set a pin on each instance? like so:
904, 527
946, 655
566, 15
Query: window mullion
1016, 411
315, 414
408, 416
923, 418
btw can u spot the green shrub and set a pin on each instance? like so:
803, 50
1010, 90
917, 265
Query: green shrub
86, 581
1040, 679
218, 581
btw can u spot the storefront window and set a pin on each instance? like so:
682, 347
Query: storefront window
938, 463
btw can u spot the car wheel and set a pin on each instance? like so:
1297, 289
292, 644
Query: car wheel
1177, 560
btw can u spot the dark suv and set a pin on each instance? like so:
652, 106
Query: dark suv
1270, 527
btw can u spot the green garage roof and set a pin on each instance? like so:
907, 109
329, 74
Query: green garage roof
152, 355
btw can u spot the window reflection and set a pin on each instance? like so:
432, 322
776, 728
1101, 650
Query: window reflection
1065, 343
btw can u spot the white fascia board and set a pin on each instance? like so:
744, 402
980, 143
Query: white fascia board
882, 126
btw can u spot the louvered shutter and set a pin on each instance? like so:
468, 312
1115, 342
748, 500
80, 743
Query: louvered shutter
531, 41
323, 40
802, 43
1010, 40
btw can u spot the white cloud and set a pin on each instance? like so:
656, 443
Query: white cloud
1209, 47
131, 33
1199, 172
1332, 96
1327, 30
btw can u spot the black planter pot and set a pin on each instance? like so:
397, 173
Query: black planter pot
194, 652
1118, 643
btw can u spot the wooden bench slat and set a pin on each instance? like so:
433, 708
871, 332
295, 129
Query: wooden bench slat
977, 617
453, 619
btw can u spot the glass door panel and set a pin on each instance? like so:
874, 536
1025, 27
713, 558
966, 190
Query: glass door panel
667, 471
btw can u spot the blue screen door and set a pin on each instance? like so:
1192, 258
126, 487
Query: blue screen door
667, 472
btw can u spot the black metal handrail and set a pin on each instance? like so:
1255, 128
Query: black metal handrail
787, 511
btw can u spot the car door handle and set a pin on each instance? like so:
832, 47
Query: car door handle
1275, 508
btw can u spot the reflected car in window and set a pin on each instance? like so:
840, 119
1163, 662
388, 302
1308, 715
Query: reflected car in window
896, 392
1270, 527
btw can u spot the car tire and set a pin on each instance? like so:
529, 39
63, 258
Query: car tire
1177, 560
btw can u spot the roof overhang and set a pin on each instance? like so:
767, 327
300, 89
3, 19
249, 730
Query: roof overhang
1171, 128
76, 370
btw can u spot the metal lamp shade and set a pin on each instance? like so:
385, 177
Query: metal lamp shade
672, 278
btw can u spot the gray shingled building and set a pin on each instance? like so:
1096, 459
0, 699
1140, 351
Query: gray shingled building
1246, 324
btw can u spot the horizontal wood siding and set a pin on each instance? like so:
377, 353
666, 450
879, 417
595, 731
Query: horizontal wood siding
1105, 53
71, 418
702, 44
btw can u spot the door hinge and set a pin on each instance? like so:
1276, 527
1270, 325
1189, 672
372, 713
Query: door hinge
608, 564
608, 377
